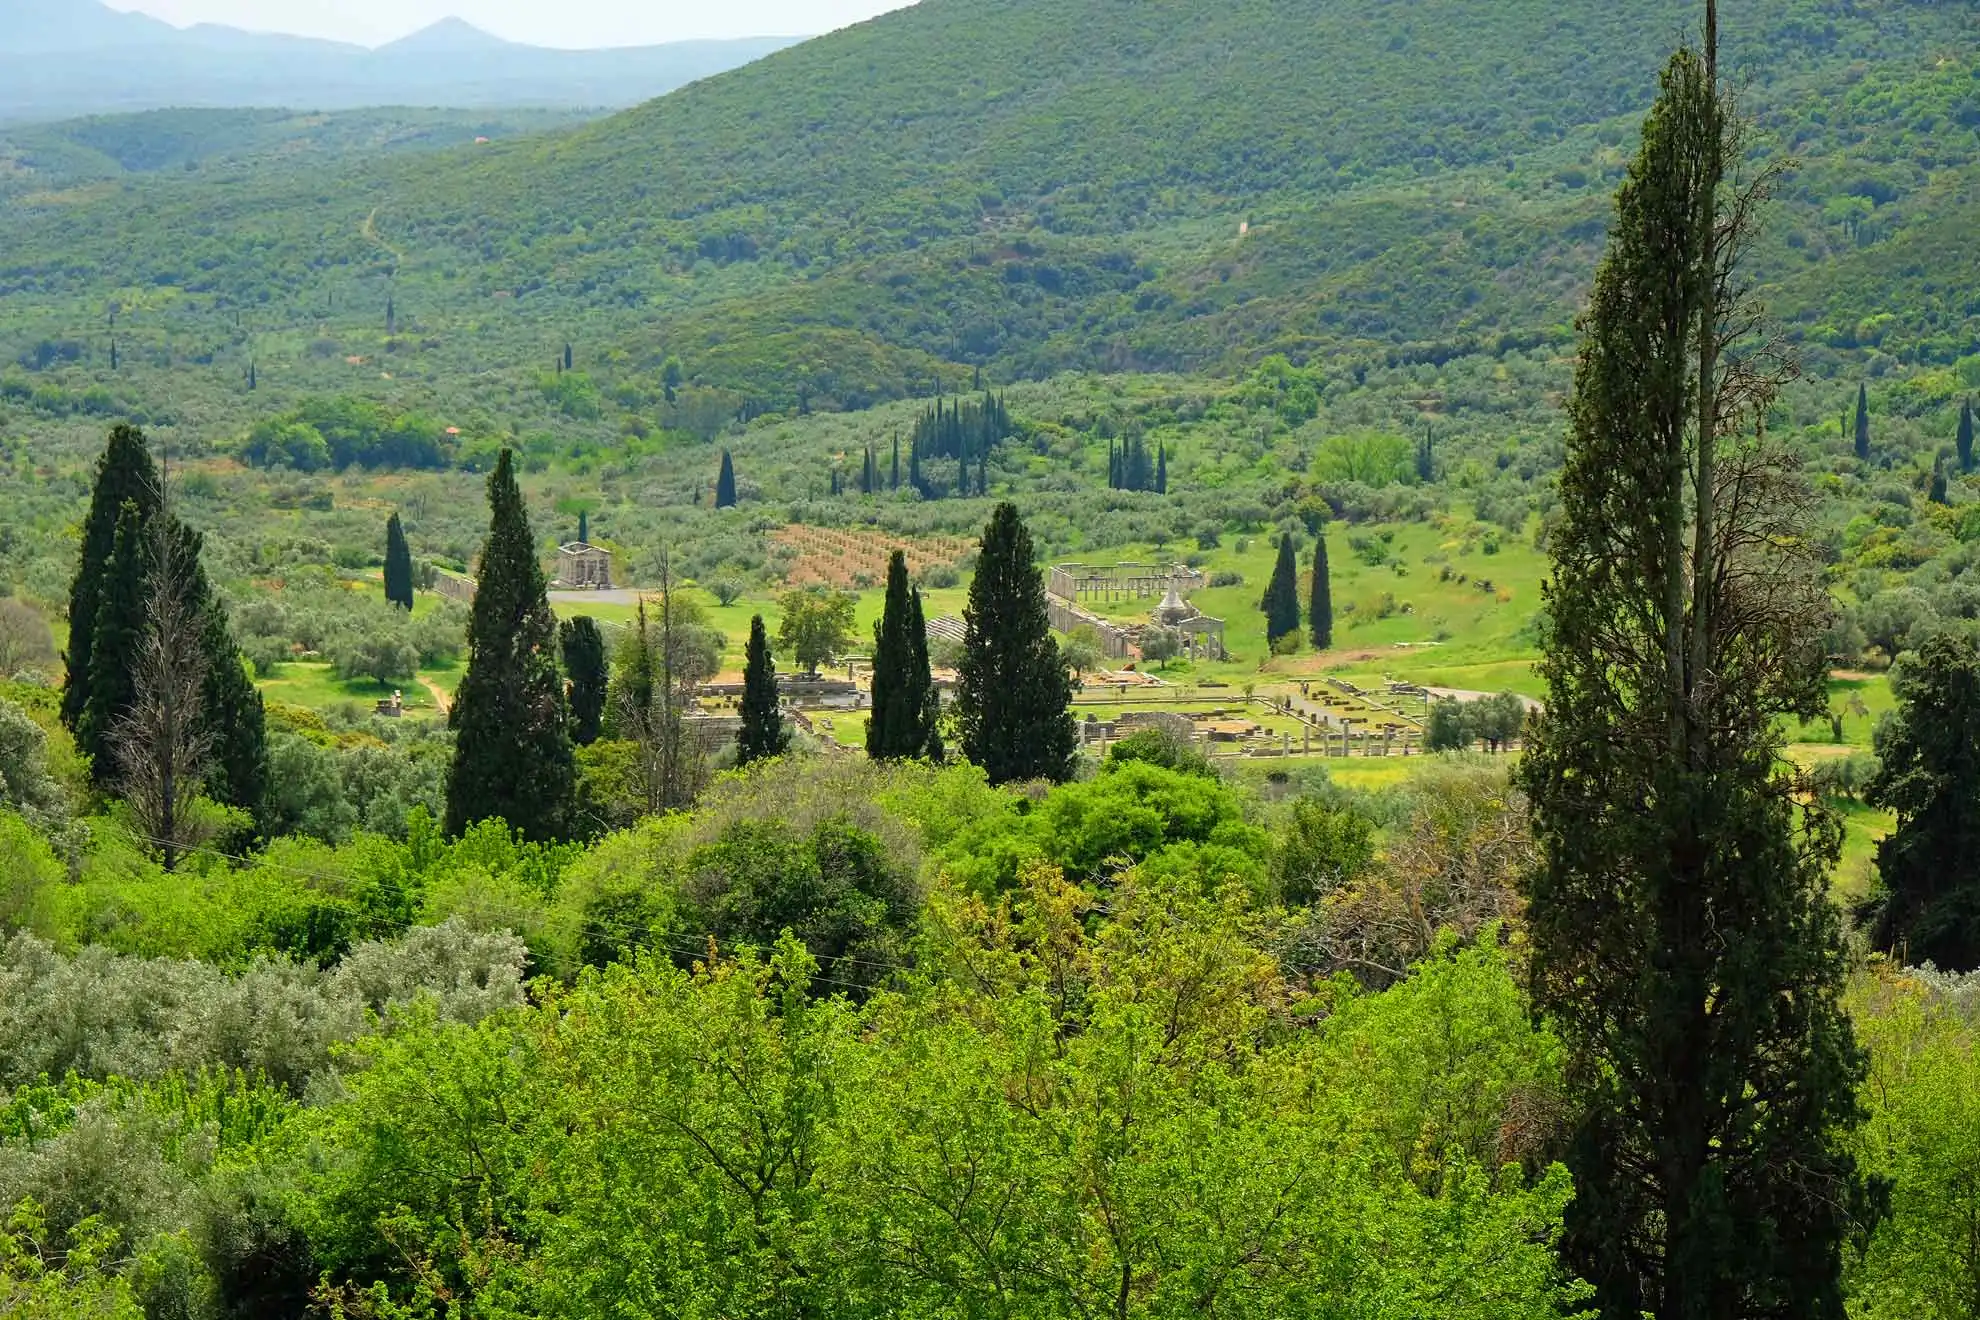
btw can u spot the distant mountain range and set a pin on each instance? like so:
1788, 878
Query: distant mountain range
72, 57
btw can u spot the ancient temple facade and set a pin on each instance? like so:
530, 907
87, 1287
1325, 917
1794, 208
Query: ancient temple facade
583, 567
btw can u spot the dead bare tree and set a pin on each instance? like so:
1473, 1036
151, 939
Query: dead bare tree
1453, 867
654, 702
162, 747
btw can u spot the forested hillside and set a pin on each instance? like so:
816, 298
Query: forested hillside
45, 161
1038, 185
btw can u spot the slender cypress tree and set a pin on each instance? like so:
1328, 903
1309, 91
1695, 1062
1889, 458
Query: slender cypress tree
725, 483
125, 474
1936, 492
1015, 693
587, 673
584, 527
763, 734
1162, 470
931, 711
914, 466
398, 564
1320, 603
894, 482
1113, 466
901, 684
230, 714
983, 470
1963, 441
1863, 423
1683, 945
1281, 600
512, 747
116, 636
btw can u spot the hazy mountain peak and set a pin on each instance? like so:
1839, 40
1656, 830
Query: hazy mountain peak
451, 35
73, 57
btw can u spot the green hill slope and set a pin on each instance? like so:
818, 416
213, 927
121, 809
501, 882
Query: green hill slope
1037, 185
47, 158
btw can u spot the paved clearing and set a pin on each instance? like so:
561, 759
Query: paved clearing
616, 596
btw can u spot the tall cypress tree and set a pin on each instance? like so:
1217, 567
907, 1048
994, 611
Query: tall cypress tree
116, 634
512, 747
1015, 691
1683, 945
1963, 440
1863, 423
587, 674
398, 564
1162, 470
230, 711
584, 527
1320, 601
125, 474
725, 483
901, 684
1281, 600
763, 734
931, 710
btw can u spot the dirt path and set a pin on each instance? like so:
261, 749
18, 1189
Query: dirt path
1462, 694
440, 697
369, 230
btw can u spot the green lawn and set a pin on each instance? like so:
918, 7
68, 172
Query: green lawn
1862, 700
316, 686
1863, 827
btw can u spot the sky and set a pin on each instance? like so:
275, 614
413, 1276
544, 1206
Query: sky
572, 23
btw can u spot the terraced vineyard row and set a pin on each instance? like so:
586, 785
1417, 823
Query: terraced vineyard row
840, 557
